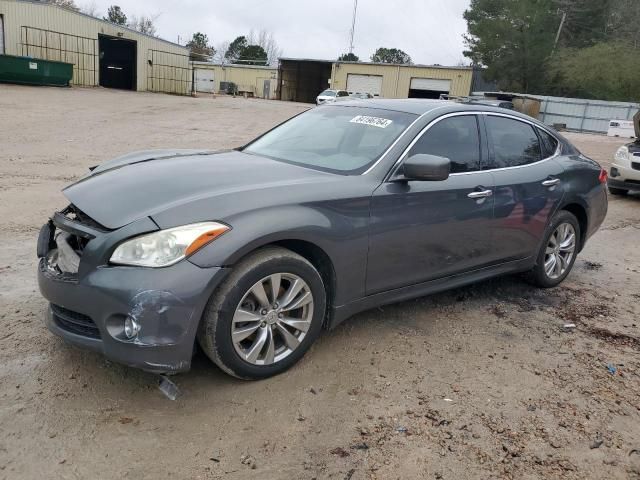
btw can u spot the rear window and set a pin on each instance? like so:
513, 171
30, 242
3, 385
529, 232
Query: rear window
549, 144
345, 140
327, 93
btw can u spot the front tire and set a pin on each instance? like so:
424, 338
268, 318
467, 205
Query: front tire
265, 315
558, 251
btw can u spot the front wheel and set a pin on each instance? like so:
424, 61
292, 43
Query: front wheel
558, 251
265, 315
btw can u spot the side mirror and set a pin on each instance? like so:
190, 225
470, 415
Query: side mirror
426, 167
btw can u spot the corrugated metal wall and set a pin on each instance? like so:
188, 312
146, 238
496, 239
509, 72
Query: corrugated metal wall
247, 78
397, 78
584, 115
77, 35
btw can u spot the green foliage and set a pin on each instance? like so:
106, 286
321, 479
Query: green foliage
606, 71
199, 48
513, 39
348, 57
253, 55
235, 48
116, 15
391, 55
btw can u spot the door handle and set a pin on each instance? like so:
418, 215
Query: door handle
480, 194
552, 182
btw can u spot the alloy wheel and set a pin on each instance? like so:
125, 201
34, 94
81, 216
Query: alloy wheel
560, 250
272, 319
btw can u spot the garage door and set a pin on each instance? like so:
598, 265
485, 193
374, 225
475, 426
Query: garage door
1, 35
204, 80
364, 84
434, 84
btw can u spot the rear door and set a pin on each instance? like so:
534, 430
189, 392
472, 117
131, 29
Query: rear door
528, 188
423, 230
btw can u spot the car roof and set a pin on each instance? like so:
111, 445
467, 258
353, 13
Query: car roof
419, 106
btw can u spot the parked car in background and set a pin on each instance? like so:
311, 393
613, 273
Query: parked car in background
625, 169
253, 252
363, 96
329, 96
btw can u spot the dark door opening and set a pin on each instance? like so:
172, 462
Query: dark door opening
417, 93
117, 62
303, 80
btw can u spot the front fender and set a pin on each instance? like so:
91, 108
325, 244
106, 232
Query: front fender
339, 229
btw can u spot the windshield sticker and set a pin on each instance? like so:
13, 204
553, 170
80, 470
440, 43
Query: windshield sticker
373, 121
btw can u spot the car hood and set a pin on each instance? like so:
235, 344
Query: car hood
139, 185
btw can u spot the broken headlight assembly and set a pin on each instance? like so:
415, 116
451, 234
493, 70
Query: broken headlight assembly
166, 247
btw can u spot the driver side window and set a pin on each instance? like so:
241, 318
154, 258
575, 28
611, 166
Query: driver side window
455, 138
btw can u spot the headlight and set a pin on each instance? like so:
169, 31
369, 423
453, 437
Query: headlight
622, 155
166, 247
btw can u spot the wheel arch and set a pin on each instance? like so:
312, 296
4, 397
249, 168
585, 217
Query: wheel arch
580, 212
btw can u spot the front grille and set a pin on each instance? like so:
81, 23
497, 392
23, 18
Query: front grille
74, 322
635, 165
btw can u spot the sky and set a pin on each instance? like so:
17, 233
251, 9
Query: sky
430, 31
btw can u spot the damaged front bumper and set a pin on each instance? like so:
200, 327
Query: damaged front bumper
89, 308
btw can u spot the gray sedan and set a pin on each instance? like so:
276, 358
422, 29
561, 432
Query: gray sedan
251, 253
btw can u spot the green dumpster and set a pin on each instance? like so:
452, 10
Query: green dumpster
34, 71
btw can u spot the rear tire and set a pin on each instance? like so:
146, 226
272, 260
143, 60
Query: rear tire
265, 315
558, 251
618, 191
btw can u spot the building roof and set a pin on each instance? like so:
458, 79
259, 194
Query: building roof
76, 12
235, 65
413, 65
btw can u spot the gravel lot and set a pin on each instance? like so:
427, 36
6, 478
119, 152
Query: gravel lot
480, 382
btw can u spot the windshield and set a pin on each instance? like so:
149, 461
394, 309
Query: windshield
327, 93
345, 140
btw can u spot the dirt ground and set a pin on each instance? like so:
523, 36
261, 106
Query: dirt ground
481, 382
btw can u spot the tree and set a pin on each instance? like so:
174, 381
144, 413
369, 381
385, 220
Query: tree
348, 57
116, 15
253, 55
221, 50
235, 49
267, 41
597, 72
90, 9
68, 4
143, 24
391, 55
512, 39
199, 48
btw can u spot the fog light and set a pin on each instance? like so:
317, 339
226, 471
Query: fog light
131, 327
614, 172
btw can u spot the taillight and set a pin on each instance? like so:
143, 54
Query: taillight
603, 176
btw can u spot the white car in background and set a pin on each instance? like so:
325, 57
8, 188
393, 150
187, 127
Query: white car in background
625, 169
331, 96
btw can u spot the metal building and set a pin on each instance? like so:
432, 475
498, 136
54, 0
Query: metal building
302, 80
254, 80
101, 52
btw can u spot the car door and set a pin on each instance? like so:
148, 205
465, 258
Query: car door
423, 230
528, 188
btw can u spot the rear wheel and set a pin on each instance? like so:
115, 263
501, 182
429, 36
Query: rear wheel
265, 316
618, 191
558, 252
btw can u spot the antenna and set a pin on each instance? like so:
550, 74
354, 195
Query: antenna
353, 25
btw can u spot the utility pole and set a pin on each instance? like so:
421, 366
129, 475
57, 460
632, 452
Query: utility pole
555, 44
353, 25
